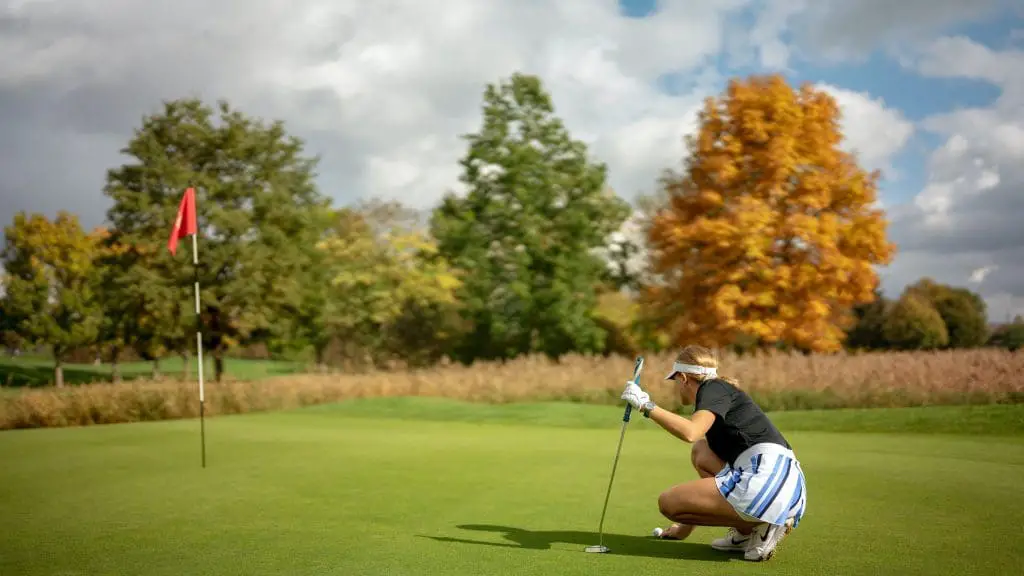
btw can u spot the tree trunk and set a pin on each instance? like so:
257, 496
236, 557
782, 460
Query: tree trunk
58, 370
115, 365
218, 366
319, 353
186, 360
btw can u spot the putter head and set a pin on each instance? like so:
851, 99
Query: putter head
597, 548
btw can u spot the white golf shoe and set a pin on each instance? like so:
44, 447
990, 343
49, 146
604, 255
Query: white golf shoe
733, 541
764, 539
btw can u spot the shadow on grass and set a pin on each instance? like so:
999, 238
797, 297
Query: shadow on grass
645, 546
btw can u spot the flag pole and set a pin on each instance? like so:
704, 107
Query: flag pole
187, 224
199, 347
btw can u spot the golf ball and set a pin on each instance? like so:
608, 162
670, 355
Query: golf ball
658, 532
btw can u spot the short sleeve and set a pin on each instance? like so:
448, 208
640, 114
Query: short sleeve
713, 397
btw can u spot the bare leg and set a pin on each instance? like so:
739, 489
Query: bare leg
707, 464
700, 503
704, 460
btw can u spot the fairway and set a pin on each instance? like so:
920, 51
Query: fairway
325, 490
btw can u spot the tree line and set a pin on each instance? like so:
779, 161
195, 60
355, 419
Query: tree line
766, 237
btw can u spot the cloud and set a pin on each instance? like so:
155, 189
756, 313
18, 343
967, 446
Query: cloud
967, 217
874, 132
380, 90
383, 90
844, 30
978, 276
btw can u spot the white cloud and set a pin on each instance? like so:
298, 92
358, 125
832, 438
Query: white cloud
381, 90
874, 132
967, 217
978, 275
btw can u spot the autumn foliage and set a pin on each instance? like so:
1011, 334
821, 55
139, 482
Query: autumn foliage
770, 232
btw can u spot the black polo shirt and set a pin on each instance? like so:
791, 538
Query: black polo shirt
739, 422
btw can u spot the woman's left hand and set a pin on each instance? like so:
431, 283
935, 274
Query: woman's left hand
635, 396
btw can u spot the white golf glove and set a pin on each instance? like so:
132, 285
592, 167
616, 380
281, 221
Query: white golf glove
635, 396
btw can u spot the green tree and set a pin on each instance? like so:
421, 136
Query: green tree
526, 233
49, 297
867, 332
383, 272
9, 337
912, 323
259, 214
1009, 336
140, 310
964, 312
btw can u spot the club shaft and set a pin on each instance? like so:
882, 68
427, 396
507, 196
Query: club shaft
615, 464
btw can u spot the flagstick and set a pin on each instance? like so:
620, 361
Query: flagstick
199, 346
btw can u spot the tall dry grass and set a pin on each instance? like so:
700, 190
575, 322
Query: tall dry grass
776, 381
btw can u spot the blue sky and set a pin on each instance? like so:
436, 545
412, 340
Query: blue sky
916, 96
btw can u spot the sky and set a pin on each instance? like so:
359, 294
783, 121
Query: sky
932, 93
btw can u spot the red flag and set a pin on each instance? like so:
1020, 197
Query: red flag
185, 223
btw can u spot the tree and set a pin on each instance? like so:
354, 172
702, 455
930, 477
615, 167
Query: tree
259, 215
9, 337
49, 296
140, 310
623, 256
1009, 336
912, 323
964, 312
381, 270
770, 231
869, 318
526, 233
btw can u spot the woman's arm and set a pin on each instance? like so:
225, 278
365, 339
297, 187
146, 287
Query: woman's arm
686, 429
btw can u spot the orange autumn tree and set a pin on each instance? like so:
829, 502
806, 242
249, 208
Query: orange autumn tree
770, 234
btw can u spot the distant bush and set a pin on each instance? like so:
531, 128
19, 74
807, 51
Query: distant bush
912, 323
1009, 336
777, 381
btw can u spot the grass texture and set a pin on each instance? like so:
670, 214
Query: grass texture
433, 486
35, 372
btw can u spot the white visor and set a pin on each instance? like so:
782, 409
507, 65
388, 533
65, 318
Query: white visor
690, 369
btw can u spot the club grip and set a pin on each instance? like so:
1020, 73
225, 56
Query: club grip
637, 369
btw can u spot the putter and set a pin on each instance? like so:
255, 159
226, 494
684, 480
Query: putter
600, 548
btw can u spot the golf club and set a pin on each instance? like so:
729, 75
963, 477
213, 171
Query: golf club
600, 547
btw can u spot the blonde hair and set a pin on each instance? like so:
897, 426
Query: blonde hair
701, 356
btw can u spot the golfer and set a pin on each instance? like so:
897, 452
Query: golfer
750, 480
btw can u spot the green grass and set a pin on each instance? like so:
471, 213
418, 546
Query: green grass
987, 419
35, 371
390, 487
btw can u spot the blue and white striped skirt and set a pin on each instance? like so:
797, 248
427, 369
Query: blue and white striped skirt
766, 485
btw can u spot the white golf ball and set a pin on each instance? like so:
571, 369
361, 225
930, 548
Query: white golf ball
658, 532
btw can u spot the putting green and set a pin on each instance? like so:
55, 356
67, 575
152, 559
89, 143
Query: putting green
318, 491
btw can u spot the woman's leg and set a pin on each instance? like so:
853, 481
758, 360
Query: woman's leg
699, 503
707, 464
704, 460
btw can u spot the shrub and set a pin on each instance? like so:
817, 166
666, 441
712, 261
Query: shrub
912, 323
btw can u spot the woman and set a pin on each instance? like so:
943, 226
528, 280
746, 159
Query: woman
750, 480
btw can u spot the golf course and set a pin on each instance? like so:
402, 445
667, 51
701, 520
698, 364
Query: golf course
440, 486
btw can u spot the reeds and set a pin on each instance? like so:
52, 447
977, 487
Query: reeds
776, 381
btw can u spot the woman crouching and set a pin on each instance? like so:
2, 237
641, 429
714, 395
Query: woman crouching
750, 479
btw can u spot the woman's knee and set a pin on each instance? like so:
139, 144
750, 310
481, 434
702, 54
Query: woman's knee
668, 505
704, 459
